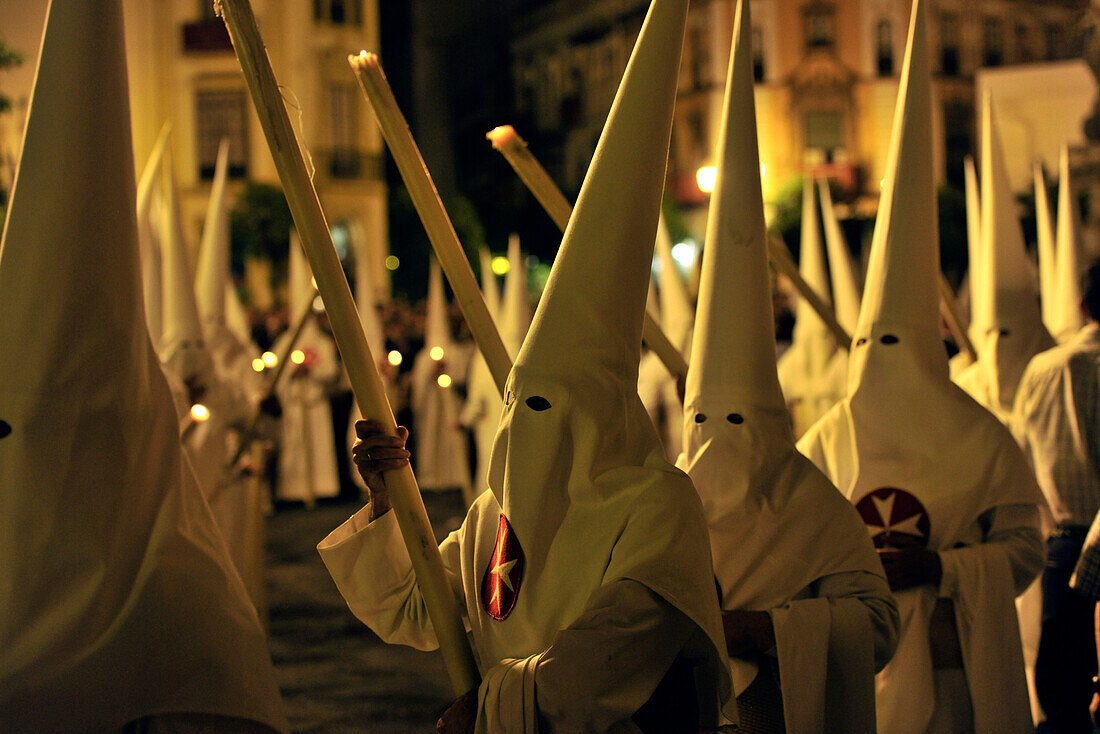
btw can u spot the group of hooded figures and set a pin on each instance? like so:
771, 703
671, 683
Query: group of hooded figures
861, 579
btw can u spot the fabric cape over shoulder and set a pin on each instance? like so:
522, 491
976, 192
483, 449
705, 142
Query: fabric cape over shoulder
119, 600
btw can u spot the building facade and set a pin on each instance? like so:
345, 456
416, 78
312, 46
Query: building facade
827, 80
183, 71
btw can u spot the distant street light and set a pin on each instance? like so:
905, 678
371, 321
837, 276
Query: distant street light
706, 177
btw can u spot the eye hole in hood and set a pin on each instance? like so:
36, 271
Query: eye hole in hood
537, 402
700, 418
889, 339
735, 418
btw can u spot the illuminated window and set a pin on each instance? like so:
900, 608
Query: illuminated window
823, 132
344, 161
949, 44
884, 47
759, 71
338, 12
818, 22
993, 43
1053, 42
221, 114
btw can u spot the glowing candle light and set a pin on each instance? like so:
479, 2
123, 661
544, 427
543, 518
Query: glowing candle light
199, 412
436, 353
394, 358
443, 380
269, 359
297, 356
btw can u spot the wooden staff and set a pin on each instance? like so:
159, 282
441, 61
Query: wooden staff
781, 259
954, 320
514, 149
366, 383
441, 233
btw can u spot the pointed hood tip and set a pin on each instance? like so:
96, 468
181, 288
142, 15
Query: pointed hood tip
901, 287
737, 364
583, 326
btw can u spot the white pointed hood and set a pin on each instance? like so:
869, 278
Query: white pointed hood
899, 319
118, 598
437, 324
515, 317
1048, 263
976, 277
577, 468
776, 523
842, 270
182, 347
229, 344
490, 289
213, 269
677, 310
1015, 331
1068, 316
148, 238
812, 344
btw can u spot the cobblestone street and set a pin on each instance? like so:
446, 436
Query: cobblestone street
335, 674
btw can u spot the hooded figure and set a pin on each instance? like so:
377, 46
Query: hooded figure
1048, 262
587, 565
215, 296
182, 347
944, 490
482, 397
1067, 310
803, 367
846, 291
677, 319
367, 303
976, 279
1014, 327
441, 459
148, 239
515, 316
232, 390
785, 542
307, 454
120, 605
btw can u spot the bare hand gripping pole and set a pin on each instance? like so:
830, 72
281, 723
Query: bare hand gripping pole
441, 232
348, 331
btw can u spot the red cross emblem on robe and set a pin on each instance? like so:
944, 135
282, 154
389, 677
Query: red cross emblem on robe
504, 574
894, 518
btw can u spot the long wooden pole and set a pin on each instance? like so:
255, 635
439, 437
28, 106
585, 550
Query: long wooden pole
781, 259
514, 149
954, 320
366, 383
441, 233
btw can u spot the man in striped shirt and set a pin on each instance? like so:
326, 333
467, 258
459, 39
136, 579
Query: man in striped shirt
1056, 418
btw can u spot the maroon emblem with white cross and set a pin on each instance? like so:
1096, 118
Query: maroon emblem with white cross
894, 518
504, 574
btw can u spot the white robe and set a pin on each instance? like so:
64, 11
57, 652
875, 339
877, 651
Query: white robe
440, 457
986, 533
592, 677
307, 458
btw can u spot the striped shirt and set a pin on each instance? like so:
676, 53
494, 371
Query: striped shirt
1056, 419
